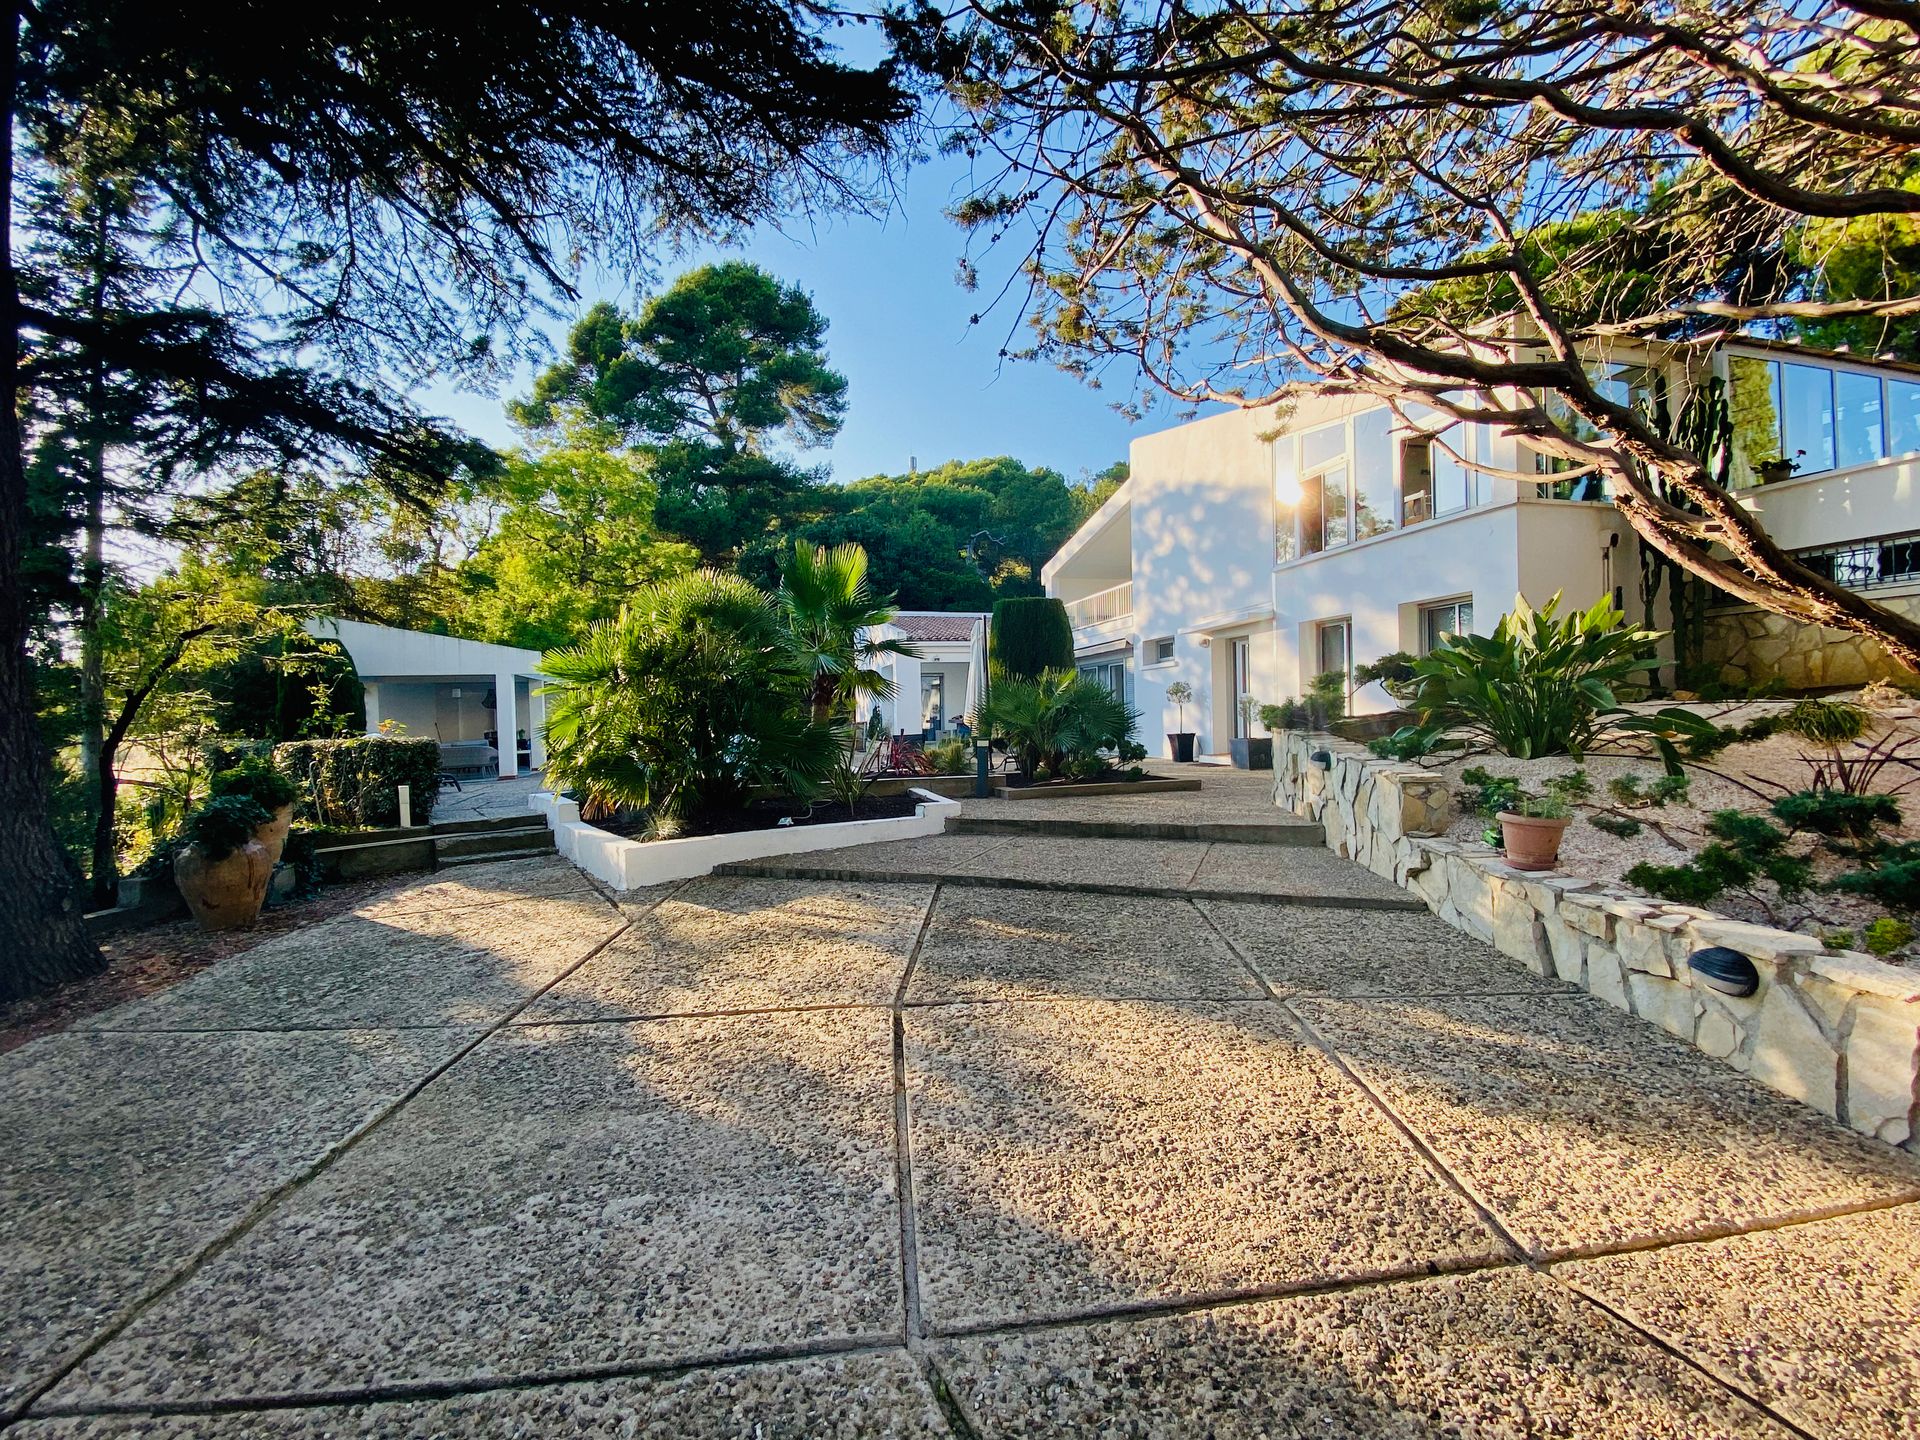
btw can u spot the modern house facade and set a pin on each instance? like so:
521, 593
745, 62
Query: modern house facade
940, 684
1253, 550
466, 694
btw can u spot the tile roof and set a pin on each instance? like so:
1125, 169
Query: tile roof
934, 626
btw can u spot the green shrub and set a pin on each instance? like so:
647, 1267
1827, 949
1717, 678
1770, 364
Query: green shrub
1054, 716
1825, 722
1395, 673
224, 752
1836, 814
1543, 684
1886, 935
223, 825
1488, 794
1623, 826
689, 702
1664, 790
1545, 807
1030, 634
1892, 877
259, 782
1572, 787
1745, 849
952, 756
351, 782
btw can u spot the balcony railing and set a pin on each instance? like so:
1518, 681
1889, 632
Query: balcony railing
1856, 564
1109, 604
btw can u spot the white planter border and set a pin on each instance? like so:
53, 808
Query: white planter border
633, 864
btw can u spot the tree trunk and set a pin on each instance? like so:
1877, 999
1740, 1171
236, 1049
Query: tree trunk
105, 877
93, 598
43, 937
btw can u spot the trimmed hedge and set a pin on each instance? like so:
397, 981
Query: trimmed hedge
351, 782
1030, 633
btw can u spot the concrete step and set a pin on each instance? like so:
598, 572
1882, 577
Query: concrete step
448, 862
493, 844
1222, 832
867, 875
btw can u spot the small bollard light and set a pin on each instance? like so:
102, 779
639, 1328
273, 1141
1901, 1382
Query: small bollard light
406, 806
1719, 968
982, 764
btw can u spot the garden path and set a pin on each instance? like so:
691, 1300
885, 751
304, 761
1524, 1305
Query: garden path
946, 1156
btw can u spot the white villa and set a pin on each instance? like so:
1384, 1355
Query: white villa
464, 693
942, 684
1246, 561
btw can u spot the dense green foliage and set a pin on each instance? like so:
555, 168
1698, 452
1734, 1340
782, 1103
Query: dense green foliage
1029, 636
689, 701
830, 614
258, 781
1745, 849
223, 825
1544, 684
1836, 814
1059, 723
351, 781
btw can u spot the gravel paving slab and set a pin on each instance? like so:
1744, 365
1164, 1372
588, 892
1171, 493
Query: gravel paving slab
466, 966
485, 883
1026, 944
859, 1397
1498, 1354
1303, 873
1069, 1157
1051, 860
737, 944
1820, 1321
1582, 1127
926, 854
1312, 951
127, 1154
567, 1196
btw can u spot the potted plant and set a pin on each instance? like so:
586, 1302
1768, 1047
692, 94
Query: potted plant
1531, 834
1249, 753
1180, 742
222, 870
273, 792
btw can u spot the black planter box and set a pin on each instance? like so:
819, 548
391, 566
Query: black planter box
1181, 745
1252, 754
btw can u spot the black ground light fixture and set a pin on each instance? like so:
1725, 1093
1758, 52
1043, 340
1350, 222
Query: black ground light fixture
982, 763
1727, 971
1322, 758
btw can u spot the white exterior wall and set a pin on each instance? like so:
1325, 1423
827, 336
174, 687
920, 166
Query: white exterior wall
1839, 505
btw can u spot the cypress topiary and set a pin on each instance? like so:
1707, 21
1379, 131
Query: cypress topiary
1030, 633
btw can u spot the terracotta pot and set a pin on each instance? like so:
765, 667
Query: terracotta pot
1531, 844
224, 894
273, 834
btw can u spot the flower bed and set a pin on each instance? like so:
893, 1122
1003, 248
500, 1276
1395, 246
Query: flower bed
633, 864
1838, 1030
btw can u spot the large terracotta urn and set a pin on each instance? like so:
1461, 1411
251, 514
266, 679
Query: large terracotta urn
225, 894
273, 834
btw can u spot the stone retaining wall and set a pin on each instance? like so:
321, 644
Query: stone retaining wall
1837, 1030
1749, 647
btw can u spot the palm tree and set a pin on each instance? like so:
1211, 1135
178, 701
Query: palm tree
831, 613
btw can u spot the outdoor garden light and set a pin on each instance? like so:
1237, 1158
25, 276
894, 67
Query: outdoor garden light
1322, 758
982, 765
1727, 971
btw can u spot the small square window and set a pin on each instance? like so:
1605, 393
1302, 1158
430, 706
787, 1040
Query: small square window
1440, 623
1160, 652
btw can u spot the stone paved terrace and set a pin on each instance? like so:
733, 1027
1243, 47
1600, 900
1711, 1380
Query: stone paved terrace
799, 1157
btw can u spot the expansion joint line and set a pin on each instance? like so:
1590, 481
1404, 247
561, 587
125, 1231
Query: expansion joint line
273, 1199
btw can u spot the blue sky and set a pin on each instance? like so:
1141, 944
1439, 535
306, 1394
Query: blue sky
923, 383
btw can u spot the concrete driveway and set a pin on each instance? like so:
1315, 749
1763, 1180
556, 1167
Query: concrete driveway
790, 1156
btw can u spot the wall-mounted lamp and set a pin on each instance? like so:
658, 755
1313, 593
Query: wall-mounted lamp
1725, 970
1322, 758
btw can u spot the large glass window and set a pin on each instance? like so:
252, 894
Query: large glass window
1335, 647
1452, 481
1791, 418
1859, 436
1286, 499
1323, 488
1416, 482
1333, 505
1903, 417
1806, 404
1372, 473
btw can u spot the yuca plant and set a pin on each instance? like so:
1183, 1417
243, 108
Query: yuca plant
1544, 684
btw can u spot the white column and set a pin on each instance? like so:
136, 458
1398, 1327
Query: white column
537, 725
506, 725
372, 693
905, 712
